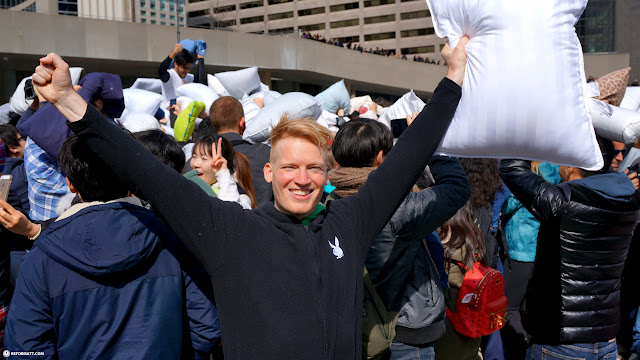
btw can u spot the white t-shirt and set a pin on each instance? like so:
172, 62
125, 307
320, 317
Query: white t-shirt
169, 88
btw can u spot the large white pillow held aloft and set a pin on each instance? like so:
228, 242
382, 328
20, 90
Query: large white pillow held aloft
614, 123
406, 105
523, 94
295, 105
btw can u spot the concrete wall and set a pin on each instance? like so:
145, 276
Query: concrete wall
627, 33
597, 65
133, 49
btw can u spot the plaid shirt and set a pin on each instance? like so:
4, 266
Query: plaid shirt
47, 186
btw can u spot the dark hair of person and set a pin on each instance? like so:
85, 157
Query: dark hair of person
10, 136
88, 174
240, 167
465, 233
184, 57
224, 114
163, 147
484, 178
204, 129
383, 102
359, 141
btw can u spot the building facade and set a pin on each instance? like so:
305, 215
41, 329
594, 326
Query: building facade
162, 12
60, 7
403, 26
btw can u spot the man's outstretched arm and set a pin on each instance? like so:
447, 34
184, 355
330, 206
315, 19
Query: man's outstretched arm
178, 201
386, 188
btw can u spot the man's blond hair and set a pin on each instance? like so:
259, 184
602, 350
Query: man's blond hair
307, 129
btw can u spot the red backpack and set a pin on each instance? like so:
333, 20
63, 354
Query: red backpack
481, 307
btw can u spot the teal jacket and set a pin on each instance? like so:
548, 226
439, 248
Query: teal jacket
521, 228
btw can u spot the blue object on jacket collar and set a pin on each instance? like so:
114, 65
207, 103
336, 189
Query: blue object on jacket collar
329, 188
90, 244
614, 186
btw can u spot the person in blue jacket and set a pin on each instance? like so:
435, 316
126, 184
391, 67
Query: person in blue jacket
521, 237
105, 279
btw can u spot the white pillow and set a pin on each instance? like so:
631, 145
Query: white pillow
631, 100
215, 84
184, 101
5, 109
240, 82
250, 108
358, 102
19, 104
154, 85
138, 101
264, 87
517, 102
592, 89
75, 74
406, 105
614, 123
295, 104
198, 92
138, 122
267, 96
331, 121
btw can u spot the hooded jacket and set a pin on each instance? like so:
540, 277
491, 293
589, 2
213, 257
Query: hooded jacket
520, 227
18, 197
586, 227
105, 281
398, 261
284, 290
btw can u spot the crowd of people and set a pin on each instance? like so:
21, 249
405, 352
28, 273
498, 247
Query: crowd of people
358, 47
319, 244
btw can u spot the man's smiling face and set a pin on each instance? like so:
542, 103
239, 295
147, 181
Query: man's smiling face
298, 173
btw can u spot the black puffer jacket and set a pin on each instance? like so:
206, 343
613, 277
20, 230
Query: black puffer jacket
585, 231
398, 260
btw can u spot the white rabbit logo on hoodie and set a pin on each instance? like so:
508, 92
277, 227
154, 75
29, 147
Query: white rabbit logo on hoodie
337, 251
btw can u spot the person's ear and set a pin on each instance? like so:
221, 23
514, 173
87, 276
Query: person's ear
268, 172
70, 185
241, 124
377, 161
13, 149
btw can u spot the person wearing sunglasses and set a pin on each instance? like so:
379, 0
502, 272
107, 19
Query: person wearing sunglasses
618, 155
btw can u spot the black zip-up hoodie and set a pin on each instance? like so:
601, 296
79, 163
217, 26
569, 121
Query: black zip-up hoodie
282, 290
